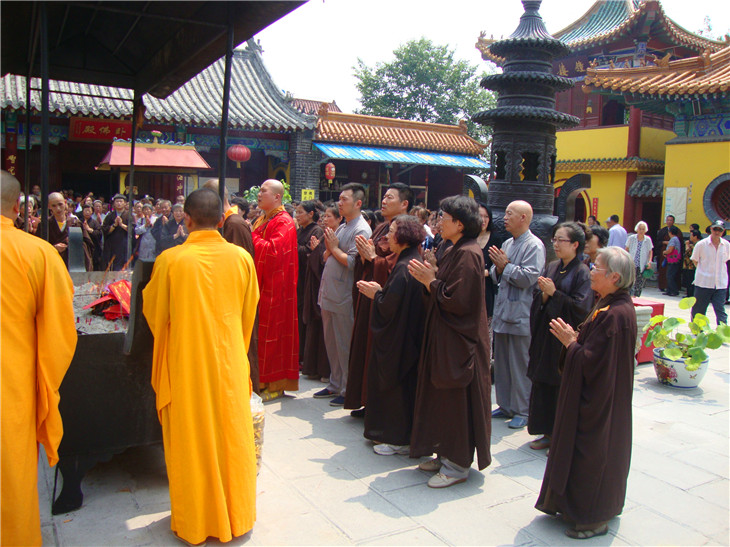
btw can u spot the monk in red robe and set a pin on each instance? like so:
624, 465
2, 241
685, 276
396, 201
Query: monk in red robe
275, 244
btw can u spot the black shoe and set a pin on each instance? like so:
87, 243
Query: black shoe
359, 413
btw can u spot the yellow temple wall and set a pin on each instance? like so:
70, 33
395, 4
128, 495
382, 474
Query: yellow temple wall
602, 142
694, 166
609, 187
652, 144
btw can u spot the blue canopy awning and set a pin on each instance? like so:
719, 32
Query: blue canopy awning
390, 155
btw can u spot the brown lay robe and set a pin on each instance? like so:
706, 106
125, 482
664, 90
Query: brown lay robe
92, 245
396, 323
453, 398
56, 235
316, 362
238, 232
572, 301
588, 463
376, 270
303, 250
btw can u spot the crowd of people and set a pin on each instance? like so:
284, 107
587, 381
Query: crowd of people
406, 316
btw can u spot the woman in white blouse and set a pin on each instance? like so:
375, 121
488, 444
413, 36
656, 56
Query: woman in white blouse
640, 247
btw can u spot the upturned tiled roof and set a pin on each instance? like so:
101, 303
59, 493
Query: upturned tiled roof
607, 20
707, 74
308, 106
640, 165
256, 103
374, 130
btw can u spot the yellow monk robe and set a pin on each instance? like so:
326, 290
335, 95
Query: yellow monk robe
37, 344
200, 305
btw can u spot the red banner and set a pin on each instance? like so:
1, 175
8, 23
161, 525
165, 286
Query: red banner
94, 130
594, 209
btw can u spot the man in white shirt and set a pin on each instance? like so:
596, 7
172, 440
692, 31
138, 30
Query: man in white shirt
711, 277
617, 235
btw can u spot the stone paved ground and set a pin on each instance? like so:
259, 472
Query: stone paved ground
321, 484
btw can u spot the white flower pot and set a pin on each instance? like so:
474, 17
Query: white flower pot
673, 373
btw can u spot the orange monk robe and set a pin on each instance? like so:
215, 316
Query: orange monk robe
277, 266
200, 305
37, 344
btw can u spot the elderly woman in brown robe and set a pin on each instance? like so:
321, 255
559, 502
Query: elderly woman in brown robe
396, 323
588, 464
315, 363
453, 406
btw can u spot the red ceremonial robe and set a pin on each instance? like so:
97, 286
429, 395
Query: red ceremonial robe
275, 244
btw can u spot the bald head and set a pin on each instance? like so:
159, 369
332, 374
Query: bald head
212, 184
204, 208
9, 194
270, 195
517, 217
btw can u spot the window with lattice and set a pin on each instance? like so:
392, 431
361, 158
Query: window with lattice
721, 200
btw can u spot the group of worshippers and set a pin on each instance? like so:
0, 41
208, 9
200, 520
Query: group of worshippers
155, 227
405, 334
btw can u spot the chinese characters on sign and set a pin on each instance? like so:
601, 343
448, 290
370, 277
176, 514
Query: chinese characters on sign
96, 130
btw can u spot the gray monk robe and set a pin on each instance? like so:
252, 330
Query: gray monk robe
571, 302
371, 270
396, 323
452, 413
588, 463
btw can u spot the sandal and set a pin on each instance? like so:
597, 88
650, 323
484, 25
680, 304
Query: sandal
541, 443
586, 534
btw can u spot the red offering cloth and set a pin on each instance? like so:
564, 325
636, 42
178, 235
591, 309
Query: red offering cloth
646, 355
122, 291
277, 264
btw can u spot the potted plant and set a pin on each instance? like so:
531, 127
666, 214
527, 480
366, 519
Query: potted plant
680, 359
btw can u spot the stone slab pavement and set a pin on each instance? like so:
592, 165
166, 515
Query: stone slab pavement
321, 483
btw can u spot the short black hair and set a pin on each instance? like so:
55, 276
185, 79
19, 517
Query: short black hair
601, 233
310, 206
243, 205
486, 207
466, 211
614, 218
404, 192
696, 233
668, 216
369, 216
576, 233
675, 231
357, 189
204, 207
408, 230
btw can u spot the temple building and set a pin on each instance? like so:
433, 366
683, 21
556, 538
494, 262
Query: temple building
618, 145
290, 139
695, 92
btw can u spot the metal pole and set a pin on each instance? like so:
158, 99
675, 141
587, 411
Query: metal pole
45, 124
26, 185
130, 179
224, 110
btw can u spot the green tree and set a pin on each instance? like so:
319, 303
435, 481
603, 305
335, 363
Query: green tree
424, 83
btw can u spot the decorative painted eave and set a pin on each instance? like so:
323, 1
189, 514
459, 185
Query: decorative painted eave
706, 74
608, 20
634, 164
647, 187
379, 131
256, 103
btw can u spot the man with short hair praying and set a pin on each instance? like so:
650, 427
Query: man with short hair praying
335, 290
58, 225
37, 343
201, 316
114, 228
277, 265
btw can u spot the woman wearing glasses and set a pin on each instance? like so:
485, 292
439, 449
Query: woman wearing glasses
564, 292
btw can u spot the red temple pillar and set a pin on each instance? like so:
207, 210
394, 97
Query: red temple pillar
632, 151
11, 142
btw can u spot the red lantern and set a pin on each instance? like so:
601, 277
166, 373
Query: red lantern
239, 153
329, 172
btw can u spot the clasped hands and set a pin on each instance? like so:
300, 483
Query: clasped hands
499, 258
365, 247
422, 272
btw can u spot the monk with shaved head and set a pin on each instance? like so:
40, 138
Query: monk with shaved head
200, 305
517, 265
37, 343
277, 266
